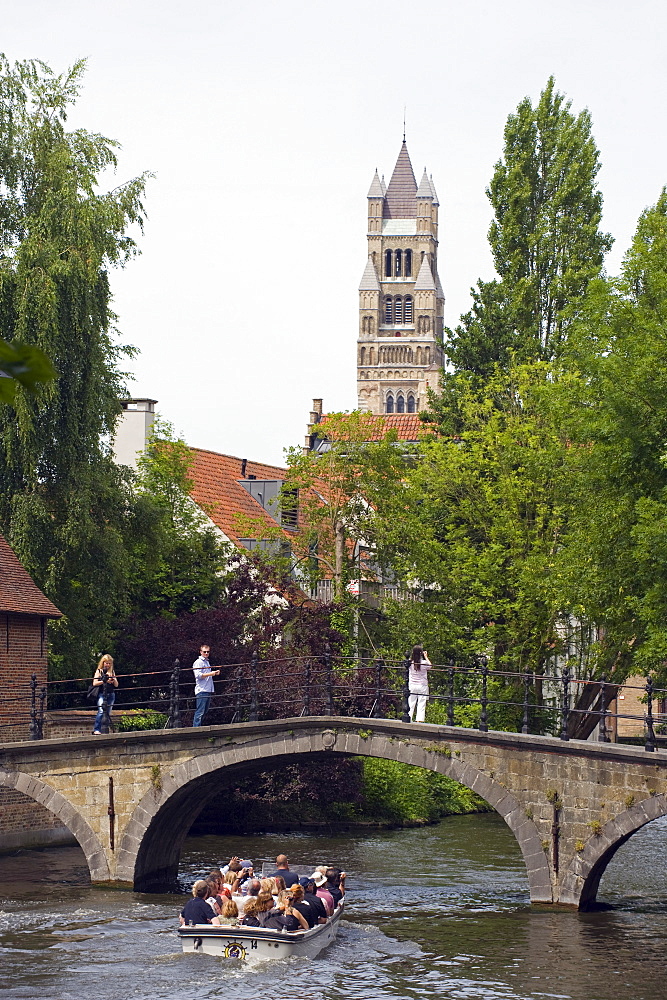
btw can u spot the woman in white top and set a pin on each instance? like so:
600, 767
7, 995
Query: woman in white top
418, 683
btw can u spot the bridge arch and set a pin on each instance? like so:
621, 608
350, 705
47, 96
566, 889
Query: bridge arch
582, 880
57, 804
150, 847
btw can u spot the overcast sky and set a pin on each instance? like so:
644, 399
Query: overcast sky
264, 123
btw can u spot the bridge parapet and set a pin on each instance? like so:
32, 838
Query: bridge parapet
130, 799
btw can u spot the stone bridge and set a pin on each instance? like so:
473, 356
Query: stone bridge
130, 798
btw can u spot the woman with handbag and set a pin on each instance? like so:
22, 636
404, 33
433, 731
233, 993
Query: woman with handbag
104, 672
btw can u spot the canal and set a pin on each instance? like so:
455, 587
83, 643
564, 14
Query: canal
436, 912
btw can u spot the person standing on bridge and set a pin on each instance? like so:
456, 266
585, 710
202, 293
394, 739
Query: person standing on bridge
418, 683
204, 674
104, 681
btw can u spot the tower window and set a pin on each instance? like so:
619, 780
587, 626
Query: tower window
408, 264
387, 263
411, 404
388, 309
390, 403
408, 309
398, 307
398, 257
400, 404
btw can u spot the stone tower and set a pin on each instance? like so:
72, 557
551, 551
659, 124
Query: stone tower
401, 302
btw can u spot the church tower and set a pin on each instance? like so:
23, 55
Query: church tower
401, 302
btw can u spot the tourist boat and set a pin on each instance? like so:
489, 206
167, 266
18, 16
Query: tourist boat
259, 943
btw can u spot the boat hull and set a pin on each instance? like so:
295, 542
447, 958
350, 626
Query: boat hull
259, 943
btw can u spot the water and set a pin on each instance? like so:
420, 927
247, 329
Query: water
439, 912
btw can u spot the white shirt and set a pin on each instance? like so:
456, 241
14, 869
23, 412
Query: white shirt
203, 685
418, 678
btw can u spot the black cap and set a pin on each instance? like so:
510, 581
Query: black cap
305, 881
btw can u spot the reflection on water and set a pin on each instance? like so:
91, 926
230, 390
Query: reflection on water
435, 912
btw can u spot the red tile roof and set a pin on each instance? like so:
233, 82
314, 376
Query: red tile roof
408, 426
18, 591
218, 490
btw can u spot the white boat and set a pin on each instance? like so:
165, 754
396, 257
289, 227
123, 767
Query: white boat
259, 943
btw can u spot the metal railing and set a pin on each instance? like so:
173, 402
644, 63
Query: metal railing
466, 694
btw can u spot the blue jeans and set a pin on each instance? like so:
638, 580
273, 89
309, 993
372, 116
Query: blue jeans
111, 697
203, 700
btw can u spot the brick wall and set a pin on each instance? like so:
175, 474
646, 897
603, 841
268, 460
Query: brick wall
24, 823
22, 653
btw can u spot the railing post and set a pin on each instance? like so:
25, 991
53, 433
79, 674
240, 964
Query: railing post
650, 744
174, 720
329, 705
253, 715
377, 704
525, 723
483, 724
106, 721
565, 712
33, 707
604, 737
40, 714
406, 688
450, 696
306, 690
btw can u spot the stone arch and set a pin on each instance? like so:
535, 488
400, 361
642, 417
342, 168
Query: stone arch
582, 879
57, 804
151, 843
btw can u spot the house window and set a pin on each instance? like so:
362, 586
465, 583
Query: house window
387, 263
390, 403
408, 309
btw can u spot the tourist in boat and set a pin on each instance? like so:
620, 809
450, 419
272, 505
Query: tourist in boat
335, 884
265, 904
310, 896
105, 671
418, 683
282, 870
249, 918
229, 915
319, 879
300, 903
279, 883
213, 899
285, 917
197, 910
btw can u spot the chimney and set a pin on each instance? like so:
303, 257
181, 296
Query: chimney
133, 430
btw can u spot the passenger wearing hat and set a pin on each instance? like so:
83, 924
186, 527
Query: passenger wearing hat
319, 880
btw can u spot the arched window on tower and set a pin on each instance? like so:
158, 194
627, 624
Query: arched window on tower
387, 263
398, 307
390, 403
427, 356
407, 311
398, 259
388, 309
362, 357
400, 403
411, 404
407, 268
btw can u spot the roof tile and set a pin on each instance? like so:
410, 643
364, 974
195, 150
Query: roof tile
18, 591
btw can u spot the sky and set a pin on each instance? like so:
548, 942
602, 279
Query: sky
264, 123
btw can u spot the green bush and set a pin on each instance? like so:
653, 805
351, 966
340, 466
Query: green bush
399, 793
140, 718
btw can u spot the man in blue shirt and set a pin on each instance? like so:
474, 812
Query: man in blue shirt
204, 674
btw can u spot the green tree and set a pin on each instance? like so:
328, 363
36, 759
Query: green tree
63, 505
179, 563
545, 238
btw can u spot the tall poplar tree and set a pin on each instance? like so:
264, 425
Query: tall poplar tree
63, 504
545, 238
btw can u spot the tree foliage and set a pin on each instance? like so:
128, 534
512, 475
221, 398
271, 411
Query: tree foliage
63, 505
545, 238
